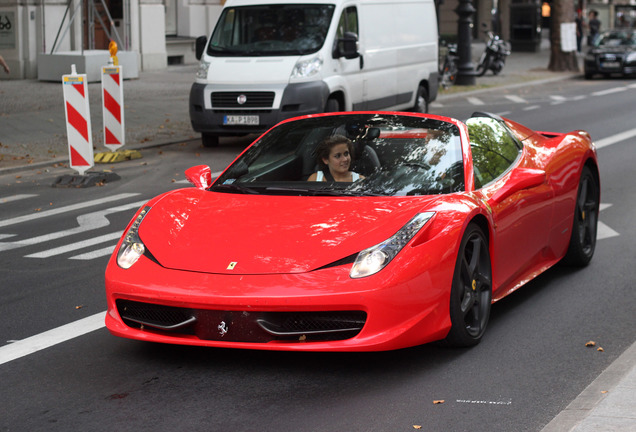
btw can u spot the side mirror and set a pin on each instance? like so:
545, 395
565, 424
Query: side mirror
200, 176
199, 46
347, 46
520, 179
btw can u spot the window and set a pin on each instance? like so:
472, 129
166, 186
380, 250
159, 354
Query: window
493, 147
348, 22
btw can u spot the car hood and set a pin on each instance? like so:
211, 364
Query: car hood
242, 70
613, 50
213, 232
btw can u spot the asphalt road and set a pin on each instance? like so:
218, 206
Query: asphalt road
530, 365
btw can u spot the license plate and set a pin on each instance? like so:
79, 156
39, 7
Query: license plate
610, 65
251, 120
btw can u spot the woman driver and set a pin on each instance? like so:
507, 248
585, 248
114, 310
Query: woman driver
334, 156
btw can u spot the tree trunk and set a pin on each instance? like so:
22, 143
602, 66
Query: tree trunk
562, 12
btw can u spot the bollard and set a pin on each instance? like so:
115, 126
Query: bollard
78, 121
113, 102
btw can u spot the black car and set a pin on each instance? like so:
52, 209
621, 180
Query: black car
614, 51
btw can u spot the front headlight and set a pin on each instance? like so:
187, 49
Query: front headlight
307, 68
375, 258
132, 248
631, 58
202, 72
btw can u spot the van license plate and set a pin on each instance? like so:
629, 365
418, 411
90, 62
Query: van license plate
251, 120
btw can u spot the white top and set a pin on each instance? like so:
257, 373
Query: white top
354, 176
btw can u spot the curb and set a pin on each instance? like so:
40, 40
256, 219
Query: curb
585, 413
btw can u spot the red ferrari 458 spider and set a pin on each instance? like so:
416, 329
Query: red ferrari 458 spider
356, 232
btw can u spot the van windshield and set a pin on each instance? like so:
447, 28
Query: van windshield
271, 30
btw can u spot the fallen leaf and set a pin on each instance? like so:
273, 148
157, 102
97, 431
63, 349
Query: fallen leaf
603, 391
79, 307
590, 344
417, 427
600, 349
437, 402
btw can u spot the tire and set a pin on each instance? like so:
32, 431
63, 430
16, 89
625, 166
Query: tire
471, 292
209, 140
332, 105
421, 100
584, 226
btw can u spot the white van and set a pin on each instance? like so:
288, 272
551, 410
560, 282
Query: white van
269, 61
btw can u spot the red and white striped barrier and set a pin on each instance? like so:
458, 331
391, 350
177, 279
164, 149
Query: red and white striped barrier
113, 107
78, 121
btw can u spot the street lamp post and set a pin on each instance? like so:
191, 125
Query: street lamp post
466, 68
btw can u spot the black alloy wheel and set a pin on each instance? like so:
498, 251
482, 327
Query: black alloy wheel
584, 226
471, 293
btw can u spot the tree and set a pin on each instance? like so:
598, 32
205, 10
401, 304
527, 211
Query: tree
562, 12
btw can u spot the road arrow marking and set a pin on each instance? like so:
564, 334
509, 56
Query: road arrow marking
87, 222
69, 208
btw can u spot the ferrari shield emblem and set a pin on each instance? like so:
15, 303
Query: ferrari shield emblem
231, 265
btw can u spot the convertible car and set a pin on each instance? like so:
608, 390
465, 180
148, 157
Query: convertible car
443, 219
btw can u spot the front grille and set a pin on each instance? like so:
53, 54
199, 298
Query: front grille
242, 326
251, 99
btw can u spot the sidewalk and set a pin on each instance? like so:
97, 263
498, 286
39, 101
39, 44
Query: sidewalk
33, 133
33, 128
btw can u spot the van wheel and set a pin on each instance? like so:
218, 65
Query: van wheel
421, 100
332, 105
209, 140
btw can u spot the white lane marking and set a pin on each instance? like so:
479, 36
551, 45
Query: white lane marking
609, 91
16, 197
75, 246
603, 231
95, 254
516, 99
475, 101
87, 222
632, 86
65, 209
623, 136
436, 105
503, 113
52, 337
532, 107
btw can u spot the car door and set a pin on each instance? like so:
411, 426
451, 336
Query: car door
351, 69
519, 197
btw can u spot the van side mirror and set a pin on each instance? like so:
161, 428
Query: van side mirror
347, 46
199, 46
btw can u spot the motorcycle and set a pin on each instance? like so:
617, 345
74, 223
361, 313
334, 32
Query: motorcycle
449, 69
494, 56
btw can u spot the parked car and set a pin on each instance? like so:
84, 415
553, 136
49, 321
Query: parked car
270, 60
440, 219
614, 52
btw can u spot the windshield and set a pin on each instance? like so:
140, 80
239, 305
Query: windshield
617, 38
382, 155
271, 30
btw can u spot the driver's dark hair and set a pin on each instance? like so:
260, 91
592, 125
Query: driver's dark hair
324, 148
